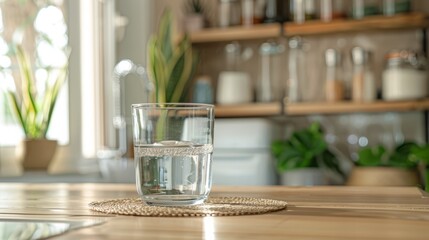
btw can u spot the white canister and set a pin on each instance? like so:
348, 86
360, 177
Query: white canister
234, 87
405, 76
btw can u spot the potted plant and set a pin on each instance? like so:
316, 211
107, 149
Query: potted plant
378, 167
194, 16
33, 110
170, 65
305, 158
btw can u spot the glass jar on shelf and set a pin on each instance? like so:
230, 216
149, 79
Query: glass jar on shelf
270, 84
229, 13
331, 9
296, 70
334, 89
363, 8
392, 7
404, 76
247, 12
253, 11
363, 83
303, 10
271, 12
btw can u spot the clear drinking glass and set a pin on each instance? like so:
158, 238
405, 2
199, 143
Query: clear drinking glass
173, 145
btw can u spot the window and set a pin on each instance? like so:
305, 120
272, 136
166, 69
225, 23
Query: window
69, 120
81, 112
41, 28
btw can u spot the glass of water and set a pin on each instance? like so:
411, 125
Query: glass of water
173, 145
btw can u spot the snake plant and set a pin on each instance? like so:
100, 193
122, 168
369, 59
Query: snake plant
34, 108
171, 65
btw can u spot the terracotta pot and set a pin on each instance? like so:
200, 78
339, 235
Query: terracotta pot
36, 154
382, 176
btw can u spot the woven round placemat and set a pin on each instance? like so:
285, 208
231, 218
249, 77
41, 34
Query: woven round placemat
216, 206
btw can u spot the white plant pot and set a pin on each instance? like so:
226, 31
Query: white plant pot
194, 22
304, 177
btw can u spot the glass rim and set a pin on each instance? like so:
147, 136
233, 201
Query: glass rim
172, 105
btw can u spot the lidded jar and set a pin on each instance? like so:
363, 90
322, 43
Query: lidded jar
363, 83
334, 76
404, 76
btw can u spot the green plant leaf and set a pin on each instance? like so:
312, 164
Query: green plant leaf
156, 69
166, 34
151, 45
184, 78
287, 157
371, 156
50, 99
27, 85
195, 6
420, 153
330, 162
301, 150
170, 66
195, 60
176, 67
16, 109
402, 156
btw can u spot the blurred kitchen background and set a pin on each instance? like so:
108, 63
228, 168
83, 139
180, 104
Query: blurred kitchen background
271, 67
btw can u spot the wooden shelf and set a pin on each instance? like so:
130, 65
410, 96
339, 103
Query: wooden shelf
403, 21
261, 31
249, 110
351, 107
301, 109
372, 23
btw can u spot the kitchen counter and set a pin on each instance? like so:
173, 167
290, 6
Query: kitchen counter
328, 212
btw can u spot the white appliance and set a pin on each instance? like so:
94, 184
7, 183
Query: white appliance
242, 152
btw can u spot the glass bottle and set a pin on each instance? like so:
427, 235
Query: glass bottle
392, 7
296, 70
331, 9
310, 9
233, 56
303, 10
229, 13
269, 86
362, 8
334, 76
247, 12
271, 12
298, 10
363, 83
203, 90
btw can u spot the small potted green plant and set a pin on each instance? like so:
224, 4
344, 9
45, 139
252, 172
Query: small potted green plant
194, 15
305, 158
377, 166
33, 110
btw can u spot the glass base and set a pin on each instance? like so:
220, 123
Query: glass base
179, 200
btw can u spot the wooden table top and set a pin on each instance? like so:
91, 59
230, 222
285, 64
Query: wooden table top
327, 212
